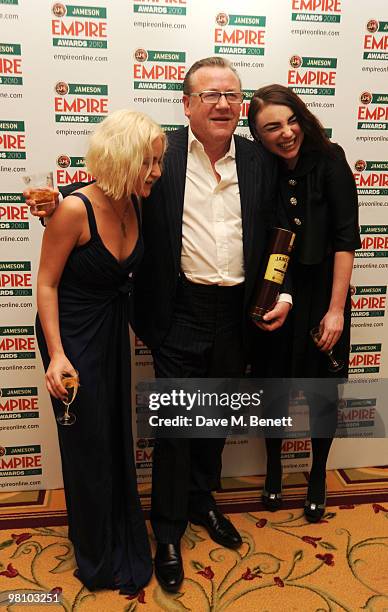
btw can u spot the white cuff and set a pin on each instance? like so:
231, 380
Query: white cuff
285, 297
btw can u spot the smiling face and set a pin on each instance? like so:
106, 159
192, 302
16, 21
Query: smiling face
279, 131
212, 124
150, 170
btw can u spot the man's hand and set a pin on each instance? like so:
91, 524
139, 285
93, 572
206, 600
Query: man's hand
45, 208
275, 317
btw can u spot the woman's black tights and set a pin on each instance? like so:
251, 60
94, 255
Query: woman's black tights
317, 481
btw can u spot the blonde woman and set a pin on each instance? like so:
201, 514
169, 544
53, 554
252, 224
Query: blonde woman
90, 252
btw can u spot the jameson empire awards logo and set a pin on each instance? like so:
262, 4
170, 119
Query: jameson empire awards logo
143, 453
365, 358
79, 26
296, 449
374, 241
163, 70
243, 121
80, 103
71, 170
20, 460
17, 342
373, 111
371, 177
19, 403
15, 278
357, 414
316, 11
239, 34
313, 75
368, 301
140, 348
10, 64
160, 7
14, 213
12, 140
376, 40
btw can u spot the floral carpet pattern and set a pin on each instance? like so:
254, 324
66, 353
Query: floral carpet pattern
285, 564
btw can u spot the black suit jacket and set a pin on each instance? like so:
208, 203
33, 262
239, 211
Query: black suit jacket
157, 278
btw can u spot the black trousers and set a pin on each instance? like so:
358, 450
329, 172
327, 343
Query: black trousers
205, 340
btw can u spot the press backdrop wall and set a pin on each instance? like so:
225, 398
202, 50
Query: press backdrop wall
63, 67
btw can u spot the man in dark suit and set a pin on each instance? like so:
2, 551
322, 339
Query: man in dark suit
204, 228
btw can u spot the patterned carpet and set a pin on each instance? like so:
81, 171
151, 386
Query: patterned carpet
285, 564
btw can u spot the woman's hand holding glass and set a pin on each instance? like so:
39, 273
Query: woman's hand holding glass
331, 327
59, 367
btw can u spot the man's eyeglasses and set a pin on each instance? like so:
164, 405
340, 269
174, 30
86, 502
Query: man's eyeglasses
213, 97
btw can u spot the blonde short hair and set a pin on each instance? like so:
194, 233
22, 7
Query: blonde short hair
118, 148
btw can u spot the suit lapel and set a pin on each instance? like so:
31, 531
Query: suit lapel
247, 173
174, 180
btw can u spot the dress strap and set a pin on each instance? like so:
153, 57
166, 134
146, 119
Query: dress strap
90, 213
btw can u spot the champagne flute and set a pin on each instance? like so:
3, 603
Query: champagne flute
41, 187
335, 365
71, 384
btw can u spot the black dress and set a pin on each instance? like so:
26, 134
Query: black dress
106, 523
318, 201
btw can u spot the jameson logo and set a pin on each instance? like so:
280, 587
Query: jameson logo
17, 342
15, 278
160, 7
171, 127
368, 301
296, 449
64, 161
79, 26
71, 170
12, 140
312, 75
317, 11
13, 212
80, 102
20, 460
376, 40
19, 403
163, 70
371, 177
373, 111
365, 358
357, 413
10, 64
239, 34
374, 241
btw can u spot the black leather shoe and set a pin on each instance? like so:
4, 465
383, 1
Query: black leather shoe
314, 511
168, 566
219, 528
271, 501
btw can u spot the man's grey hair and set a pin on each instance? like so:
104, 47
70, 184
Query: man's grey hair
207, 62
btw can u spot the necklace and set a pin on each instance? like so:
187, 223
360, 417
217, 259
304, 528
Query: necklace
121, 218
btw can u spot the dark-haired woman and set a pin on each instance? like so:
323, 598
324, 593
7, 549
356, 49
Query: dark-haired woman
318, 201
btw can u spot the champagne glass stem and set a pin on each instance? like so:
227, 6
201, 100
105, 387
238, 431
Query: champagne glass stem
335, 364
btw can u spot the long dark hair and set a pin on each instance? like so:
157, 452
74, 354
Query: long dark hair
278, 94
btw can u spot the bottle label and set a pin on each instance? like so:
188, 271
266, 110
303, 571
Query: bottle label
276, 268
